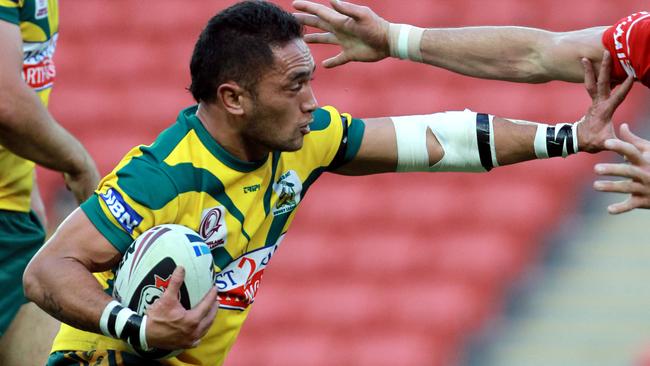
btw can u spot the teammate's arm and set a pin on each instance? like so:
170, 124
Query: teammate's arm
506, 53
59, 280
467, 141
29, 131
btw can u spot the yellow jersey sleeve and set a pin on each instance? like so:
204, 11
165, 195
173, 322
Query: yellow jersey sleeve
335, 137
136, 196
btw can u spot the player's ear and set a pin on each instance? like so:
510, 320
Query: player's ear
231, 96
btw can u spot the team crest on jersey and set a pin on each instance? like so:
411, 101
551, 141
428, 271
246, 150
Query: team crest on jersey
213, 227
41, 9
239, 282
288, 189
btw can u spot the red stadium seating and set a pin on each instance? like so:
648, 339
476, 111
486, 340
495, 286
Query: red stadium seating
382, 270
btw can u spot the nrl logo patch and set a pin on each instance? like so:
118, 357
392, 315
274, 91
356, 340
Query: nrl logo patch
288, 189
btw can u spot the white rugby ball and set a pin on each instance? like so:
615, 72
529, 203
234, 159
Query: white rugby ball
146, 268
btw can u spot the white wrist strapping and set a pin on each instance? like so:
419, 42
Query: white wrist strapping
467, 139
120, 322
404, 41
558, 140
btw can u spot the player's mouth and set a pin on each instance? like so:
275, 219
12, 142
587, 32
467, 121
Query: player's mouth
304, 129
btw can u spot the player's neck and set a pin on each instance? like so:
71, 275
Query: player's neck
223, 129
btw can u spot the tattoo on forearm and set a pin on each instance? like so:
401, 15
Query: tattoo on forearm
56, 310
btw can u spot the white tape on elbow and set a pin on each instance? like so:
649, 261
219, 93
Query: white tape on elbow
458, 134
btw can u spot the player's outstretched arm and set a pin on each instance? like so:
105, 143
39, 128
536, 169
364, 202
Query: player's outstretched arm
636, 151
476, 142
59, 280
505, 53
29, 131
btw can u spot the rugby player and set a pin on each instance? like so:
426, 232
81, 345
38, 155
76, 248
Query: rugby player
28, 135
505, 53
235, 167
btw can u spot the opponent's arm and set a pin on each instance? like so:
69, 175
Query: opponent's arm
636, 170
29, 131
59, 280
505, 53
467, 141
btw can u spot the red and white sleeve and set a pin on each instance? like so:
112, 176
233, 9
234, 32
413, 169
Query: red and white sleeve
628, 41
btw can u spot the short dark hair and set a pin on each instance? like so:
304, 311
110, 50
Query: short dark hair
236, 45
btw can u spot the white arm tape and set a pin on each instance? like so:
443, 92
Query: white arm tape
558, 140
457, 134
404, 41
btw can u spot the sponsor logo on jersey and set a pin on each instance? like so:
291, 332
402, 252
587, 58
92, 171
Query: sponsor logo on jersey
121, 211
38, 68
41, 9
39, 76
239, 282
213, 227
288, 189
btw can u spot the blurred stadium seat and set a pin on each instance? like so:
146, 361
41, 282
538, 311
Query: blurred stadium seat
382, 270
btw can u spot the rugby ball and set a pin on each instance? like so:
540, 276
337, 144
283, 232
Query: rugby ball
146, 269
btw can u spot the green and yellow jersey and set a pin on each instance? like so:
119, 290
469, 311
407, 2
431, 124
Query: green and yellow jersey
241, 209
39, 25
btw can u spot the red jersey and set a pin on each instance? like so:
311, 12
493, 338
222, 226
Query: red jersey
628, 41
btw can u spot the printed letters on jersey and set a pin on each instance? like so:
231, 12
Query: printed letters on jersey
239, 281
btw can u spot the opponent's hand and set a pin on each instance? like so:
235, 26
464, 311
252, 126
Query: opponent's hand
596, 126
171, 326
83, 183
362, 34
637, 152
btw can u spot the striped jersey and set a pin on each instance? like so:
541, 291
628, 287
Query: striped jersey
39, 25
241, 209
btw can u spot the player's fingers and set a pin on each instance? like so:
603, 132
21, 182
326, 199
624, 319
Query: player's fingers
312, 21
590, 78
354, 11
325, 13
206, 304
621, 207
207, 320
628, 136
626, 149
619, 186
178, 276
619, 170
604, 86
620, 93
325, 38
335, 61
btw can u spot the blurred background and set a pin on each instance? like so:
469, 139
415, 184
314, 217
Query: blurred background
520, 266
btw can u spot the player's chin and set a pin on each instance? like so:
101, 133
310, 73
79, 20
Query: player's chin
294, 145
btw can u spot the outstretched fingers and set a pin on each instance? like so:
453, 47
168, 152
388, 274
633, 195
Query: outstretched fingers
323, 38
620, 93
626, 149
354, 11
628, 136
312, 21
338, 60
321, 11
622, 207
604, 86
590, 78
